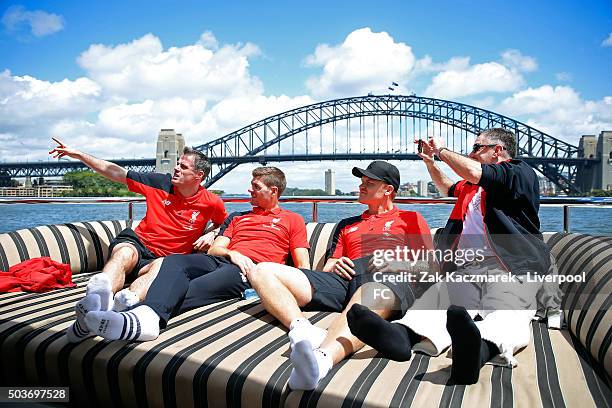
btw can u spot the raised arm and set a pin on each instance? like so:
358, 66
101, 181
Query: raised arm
107, 169
465, 167
442, 182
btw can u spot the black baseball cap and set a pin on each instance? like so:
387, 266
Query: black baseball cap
380, 170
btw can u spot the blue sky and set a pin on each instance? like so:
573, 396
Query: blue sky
565, 36
547, 63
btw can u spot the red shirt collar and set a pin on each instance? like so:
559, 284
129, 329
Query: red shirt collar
366, 215
261, 211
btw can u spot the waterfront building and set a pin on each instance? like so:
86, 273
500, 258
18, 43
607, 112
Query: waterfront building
44, 190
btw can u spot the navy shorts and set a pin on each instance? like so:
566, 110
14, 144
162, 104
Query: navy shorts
145, 256
331, 293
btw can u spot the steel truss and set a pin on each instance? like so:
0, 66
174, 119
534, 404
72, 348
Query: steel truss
554, 158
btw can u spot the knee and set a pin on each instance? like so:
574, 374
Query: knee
263, 273
125, 252
173, 262
376, 297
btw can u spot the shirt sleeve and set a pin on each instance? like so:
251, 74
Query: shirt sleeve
227, 229
140, 182
299, 236
455, 189
499, 177
219, 212
338, 245
424, 232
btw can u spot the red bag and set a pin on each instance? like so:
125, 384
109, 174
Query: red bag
36, 275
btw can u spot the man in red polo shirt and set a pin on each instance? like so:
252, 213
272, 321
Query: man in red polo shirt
178, 209
345, 279
266, 233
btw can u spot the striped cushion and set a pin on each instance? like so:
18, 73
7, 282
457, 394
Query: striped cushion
82, 245
233, 353
587, 305
320, 238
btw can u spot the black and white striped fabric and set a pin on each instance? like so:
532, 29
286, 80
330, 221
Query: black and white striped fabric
235, 354
84, 245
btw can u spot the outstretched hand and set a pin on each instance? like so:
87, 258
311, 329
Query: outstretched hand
425, 151
62, 150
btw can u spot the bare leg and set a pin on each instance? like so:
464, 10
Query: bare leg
340, 342
310, 366
282, 289
122, 260
146, 276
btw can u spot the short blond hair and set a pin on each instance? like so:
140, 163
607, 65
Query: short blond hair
271, 176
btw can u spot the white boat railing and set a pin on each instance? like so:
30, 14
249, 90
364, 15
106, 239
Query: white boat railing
566, 202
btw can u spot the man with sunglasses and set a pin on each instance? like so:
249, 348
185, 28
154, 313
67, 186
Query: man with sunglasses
485, 315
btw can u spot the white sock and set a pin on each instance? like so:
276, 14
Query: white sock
124, 299
313, 334
100, 284
309, 366
78, 330
140, 323
300, 321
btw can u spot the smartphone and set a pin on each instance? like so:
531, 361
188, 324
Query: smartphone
420, 147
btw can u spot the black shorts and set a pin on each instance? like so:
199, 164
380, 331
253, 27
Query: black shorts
331, 293
145, 256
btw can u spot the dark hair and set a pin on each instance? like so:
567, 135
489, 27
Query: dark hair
200, 161
504, 137
271, 176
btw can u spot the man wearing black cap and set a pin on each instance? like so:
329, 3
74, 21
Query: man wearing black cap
345, 278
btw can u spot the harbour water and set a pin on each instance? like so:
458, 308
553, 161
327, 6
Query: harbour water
591, 220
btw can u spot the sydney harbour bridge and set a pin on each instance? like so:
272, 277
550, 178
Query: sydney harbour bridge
381, 127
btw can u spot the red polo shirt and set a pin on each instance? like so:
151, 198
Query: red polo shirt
172, 222
360, 236
266, 236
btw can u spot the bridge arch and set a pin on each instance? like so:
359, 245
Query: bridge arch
554, 158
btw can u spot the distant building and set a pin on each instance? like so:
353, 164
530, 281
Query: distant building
596, 176
422, 188
406, 190
547, 187
44, 190
170, 147
330, 182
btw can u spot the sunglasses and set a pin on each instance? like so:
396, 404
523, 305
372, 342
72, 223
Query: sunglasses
477, 146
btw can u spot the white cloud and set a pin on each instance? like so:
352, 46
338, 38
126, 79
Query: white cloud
143, 69
366, 61
514, 59
39, 23
475, 79
607, 42
24, 99
559, 111
132, 90
542, 99
426, 65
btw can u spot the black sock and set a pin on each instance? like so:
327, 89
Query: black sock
467, 346
488, 350
392, 340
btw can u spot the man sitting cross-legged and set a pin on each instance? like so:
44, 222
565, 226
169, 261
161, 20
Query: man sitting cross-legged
342, 283
178, 209
266, 233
